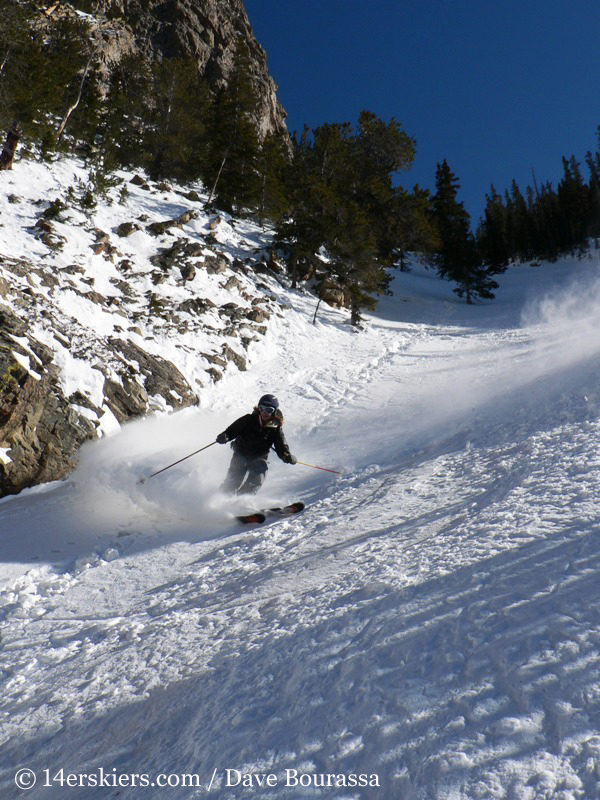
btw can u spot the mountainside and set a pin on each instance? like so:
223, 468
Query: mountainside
115, 310
427, 628
207, 30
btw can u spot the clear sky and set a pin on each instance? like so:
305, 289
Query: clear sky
497, 87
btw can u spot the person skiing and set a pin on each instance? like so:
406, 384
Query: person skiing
251, 437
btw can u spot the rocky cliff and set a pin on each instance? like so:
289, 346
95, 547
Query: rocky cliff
207, 30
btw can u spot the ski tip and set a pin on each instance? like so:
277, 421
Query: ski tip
248, 519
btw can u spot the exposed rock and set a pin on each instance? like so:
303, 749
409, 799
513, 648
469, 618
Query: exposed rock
216, 264
232, 283
126, 229
258, 315
333, 294
160, 228
126, 399
233, 311
95, 297
40, 431
188, 272
177, 254
207, 30
196, 305
234, 357
160, 377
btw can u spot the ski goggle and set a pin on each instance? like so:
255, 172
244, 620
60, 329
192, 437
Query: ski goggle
266, 409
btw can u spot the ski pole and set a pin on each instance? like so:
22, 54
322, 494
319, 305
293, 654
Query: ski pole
314, 466
158, 471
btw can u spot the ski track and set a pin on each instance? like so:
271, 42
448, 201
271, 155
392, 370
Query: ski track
432, 617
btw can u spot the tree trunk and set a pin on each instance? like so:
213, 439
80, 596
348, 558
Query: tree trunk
214, 188
294, 270
10, 146
355, 317
314, 322
74, 105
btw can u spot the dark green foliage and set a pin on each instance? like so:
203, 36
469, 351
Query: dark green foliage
544, 222
175, 138
125, 115
342, 202
273, 163
42, 66
458, 258
154, 118
232, 162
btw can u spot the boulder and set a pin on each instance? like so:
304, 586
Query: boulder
40, 430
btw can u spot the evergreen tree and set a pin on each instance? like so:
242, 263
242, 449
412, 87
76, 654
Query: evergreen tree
458, 259
273, 163
126, 114
42, 67
232, 165
492, 236
574, 206
593, 223
175, 139
342, 202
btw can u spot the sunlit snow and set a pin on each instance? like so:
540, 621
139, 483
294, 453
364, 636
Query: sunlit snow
432, 618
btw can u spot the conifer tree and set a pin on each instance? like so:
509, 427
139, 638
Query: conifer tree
40, 65
458, 259
176, 136
573, 199
272, 163
492, 237
232, 168
593, 223
126, 114
343, 202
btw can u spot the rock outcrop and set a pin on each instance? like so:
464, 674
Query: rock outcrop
207, 30
108, 324
40, 432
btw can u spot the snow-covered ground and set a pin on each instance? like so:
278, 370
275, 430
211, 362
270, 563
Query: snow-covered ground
429, 626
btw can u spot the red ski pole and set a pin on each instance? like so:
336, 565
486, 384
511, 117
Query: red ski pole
314, 466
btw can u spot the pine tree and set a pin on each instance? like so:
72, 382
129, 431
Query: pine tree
43, 66
342, 202
273, 163
492, 236
458, 259
593, 222
232, 166
176, 136
574, 205
126, 114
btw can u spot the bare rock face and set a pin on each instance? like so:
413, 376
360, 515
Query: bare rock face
40, 432
208, 30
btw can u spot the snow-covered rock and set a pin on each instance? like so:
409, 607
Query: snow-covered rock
125, 308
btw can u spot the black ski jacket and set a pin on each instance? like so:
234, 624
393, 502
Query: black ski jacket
251, 439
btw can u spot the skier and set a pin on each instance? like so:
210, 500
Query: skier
252, 436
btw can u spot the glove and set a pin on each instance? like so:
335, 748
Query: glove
290, 459
222, 438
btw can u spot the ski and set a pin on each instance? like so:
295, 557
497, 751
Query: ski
266, 513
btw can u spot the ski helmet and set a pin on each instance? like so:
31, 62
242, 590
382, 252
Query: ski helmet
269, 400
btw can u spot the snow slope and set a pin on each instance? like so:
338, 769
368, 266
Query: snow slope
431, 622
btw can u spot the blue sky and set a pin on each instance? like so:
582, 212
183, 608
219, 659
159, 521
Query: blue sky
497, 87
